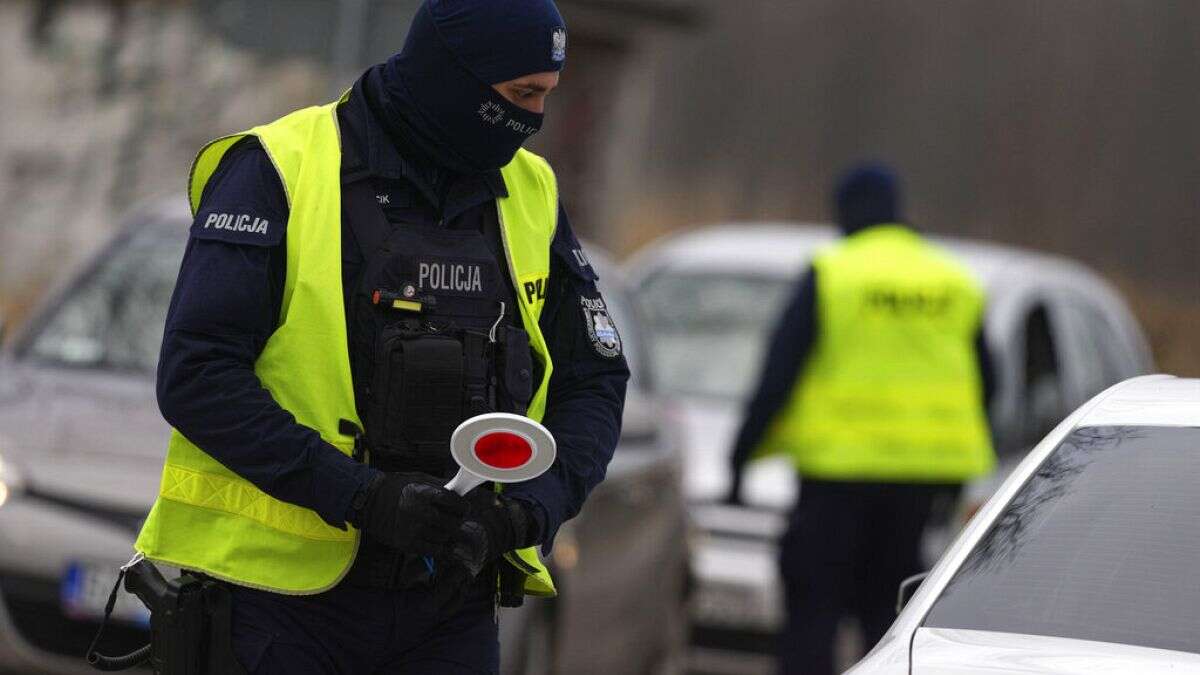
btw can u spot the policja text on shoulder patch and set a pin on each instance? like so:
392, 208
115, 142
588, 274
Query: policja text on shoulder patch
236, 228
600, 328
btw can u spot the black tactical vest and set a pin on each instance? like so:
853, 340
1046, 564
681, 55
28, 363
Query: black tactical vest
434, 331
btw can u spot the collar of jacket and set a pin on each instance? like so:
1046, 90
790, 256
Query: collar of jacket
847, 233
377, 155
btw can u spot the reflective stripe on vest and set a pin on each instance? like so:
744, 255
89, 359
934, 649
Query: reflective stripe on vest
209, 519
892, 389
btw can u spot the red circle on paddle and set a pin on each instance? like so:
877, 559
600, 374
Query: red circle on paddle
503, 450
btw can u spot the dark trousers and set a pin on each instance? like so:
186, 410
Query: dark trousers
351, 630
847, 548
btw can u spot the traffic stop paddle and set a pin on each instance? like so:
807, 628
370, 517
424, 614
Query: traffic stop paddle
499, 447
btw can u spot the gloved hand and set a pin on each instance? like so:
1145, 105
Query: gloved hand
413, 513
493, 526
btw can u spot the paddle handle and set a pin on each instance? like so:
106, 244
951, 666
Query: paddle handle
463, 482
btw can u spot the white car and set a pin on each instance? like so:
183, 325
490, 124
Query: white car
710, 298
1083, 562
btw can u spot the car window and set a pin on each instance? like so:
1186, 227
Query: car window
1097, 341
113, 316
1100, 544
708, 331
1043, 398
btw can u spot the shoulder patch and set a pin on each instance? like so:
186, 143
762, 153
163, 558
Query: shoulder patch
601, 330
244, 201
237, 228
568, 249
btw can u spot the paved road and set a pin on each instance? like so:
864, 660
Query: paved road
717, 662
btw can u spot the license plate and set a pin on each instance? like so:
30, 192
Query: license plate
84, 593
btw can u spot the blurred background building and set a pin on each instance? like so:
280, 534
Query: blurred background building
1066, 126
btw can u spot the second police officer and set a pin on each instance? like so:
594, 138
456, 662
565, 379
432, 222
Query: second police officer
875, 386
360, 278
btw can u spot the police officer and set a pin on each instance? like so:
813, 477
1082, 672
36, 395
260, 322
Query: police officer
875, 386
360, 278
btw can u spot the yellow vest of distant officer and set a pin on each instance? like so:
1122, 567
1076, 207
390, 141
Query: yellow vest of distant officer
209, 519
891, 391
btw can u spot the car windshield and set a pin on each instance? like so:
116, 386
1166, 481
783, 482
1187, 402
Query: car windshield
1101, 544
708, 331
113, 316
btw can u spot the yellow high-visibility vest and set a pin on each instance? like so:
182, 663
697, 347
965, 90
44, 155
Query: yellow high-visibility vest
892, 390
209, 519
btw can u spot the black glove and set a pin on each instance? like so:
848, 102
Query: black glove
412, 513
493, 526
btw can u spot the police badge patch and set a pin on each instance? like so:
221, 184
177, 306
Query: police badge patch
558, 45
600, 329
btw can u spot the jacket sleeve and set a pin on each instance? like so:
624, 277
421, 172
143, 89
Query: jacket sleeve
224, 308
789, 347
587, 388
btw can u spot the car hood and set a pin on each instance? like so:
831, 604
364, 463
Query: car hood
941, 651
82, 436
709, 428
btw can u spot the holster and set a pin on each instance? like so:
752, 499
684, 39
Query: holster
191, 622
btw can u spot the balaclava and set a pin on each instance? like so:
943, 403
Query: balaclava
867, 195
439, 85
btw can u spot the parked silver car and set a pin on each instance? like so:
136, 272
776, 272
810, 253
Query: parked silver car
82, 445
711, 297
620, 566
1082, 562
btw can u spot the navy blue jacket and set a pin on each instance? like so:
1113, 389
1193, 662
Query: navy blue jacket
786, 354
227, 301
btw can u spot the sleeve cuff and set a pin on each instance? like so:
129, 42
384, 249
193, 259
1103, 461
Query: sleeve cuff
545, 533
343, 479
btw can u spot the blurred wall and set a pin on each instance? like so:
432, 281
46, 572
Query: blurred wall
1071, 126
109, 100
106, 102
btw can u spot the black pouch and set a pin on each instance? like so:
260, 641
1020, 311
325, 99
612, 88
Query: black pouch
515, 368
416, 400
191, 625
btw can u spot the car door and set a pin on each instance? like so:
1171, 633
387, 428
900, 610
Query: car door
623, 593
1043, 396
